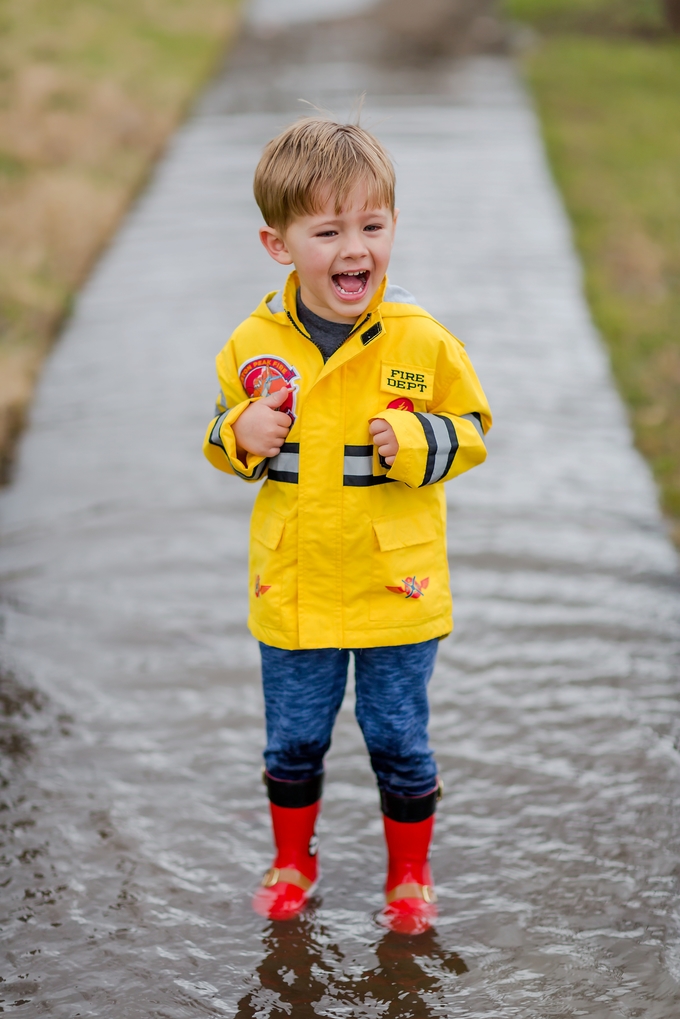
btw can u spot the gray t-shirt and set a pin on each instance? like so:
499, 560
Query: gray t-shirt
328, 336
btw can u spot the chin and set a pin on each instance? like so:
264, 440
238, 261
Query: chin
353, 309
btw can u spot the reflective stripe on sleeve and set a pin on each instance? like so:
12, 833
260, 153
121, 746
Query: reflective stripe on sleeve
215, 437
442, 444
285, 466
221, 404
216, 440
259, 470
476, 420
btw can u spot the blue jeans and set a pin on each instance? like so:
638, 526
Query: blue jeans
303, 691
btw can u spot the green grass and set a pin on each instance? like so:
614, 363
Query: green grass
10, 166
589, 16
609, 103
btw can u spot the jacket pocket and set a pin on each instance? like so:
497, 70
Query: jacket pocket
403, 532
269, 529
266, 567
409, 575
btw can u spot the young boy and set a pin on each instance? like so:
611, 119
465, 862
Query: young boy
354, 405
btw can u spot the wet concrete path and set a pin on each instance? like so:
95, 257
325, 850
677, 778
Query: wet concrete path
134, 822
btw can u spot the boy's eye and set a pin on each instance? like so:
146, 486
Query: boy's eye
327, 233
373, 227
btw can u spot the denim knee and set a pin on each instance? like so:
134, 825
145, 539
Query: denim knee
303, 691
414, 775
294, 762
392, 710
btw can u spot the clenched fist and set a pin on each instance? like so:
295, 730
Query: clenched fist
262, 428
384, 438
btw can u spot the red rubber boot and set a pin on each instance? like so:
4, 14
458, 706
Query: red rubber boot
409, 893
289, 882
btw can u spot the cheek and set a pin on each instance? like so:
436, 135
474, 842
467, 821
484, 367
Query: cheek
382, 251
310, 259
319, 260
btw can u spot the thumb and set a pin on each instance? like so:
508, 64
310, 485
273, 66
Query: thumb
276, 399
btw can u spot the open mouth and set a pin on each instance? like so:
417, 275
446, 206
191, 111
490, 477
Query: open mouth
351, 284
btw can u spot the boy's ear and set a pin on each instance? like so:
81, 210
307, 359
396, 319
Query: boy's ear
275, 245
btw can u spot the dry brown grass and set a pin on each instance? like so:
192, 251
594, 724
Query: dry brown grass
89, 94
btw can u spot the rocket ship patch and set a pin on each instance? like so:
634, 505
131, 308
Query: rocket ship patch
411, 587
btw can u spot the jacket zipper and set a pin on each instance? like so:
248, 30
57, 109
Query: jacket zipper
359, 325
294, 323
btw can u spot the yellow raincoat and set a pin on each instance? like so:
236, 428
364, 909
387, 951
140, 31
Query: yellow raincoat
344, 550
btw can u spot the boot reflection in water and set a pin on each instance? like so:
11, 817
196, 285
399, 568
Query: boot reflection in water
409, 891
302, 968
287, 885
293, 975
400, 981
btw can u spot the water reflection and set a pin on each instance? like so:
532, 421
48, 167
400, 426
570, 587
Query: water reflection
303, 968
404, 973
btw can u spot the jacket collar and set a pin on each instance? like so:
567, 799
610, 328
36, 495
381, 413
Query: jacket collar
282, 306
289, 301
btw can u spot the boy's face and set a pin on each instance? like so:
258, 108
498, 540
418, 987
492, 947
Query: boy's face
341, 258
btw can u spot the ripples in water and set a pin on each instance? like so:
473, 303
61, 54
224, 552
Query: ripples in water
133, 820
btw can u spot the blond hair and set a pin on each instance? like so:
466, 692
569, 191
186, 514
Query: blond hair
317, 158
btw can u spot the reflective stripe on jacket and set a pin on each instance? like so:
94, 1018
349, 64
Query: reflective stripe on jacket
344, 550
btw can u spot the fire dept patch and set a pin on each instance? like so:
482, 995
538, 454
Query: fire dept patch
264, 375
407, 380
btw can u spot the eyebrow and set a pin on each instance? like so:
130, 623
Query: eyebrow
369, 213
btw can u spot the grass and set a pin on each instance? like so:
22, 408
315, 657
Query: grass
606, 78
590, 17
90, 90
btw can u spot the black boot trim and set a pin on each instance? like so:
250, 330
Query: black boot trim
408, 809
294, 794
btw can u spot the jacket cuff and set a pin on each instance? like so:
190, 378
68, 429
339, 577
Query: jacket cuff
409, 463
221, 435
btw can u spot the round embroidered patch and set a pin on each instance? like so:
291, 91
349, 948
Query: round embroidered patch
401, 403
264, 375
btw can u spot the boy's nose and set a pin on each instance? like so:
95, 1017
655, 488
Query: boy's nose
354, 246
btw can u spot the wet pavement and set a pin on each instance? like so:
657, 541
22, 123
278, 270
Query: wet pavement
134, 824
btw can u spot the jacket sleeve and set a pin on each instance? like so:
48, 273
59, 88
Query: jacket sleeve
219, 445
448, 439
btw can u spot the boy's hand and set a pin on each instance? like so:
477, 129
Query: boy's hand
262, 429
384, 438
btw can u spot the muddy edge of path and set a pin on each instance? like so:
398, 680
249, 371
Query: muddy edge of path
392, 32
